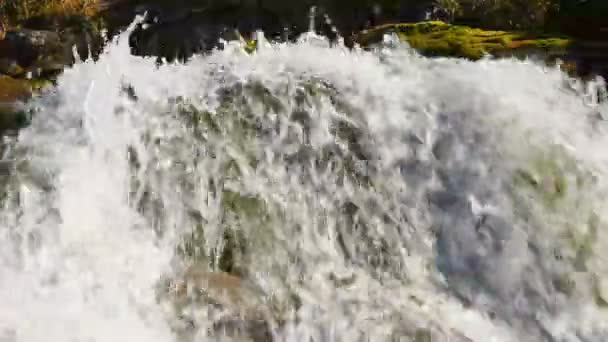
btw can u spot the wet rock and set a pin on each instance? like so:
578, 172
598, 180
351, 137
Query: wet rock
178, 29
12, 118
86, 39
26, 47
178, 32
43, 53
13, 93
240, 304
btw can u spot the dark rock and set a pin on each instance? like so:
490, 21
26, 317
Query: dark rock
11, 68
12, 118
26, 46
41, 53
590, 58
44, 46
87, 41
178, 33
178, 29
583, 19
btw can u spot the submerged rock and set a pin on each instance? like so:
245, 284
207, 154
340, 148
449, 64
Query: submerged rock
233, 306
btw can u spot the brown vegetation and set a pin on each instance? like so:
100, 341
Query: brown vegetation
13, 12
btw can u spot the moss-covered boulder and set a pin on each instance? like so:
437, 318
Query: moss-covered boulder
436, 38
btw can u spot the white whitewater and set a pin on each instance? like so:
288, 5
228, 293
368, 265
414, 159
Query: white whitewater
478, 211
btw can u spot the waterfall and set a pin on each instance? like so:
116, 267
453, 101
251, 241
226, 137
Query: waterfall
351, 195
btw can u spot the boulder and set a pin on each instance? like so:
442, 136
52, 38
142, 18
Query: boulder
25, 46
181, 28
45, 48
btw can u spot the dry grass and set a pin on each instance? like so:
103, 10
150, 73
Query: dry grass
12, 89
13, 12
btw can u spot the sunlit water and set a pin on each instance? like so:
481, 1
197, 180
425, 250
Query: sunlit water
395, 197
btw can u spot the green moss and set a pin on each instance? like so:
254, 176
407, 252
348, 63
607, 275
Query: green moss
435, 38
251, 46
39, 84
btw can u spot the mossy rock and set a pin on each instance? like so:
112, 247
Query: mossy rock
436, 38
251, 46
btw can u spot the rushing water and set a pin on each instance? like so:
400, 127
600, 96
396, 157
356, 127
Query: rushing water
365, 195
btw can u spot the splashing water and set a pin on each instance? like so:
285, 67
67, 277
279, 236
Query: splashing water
373, 195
